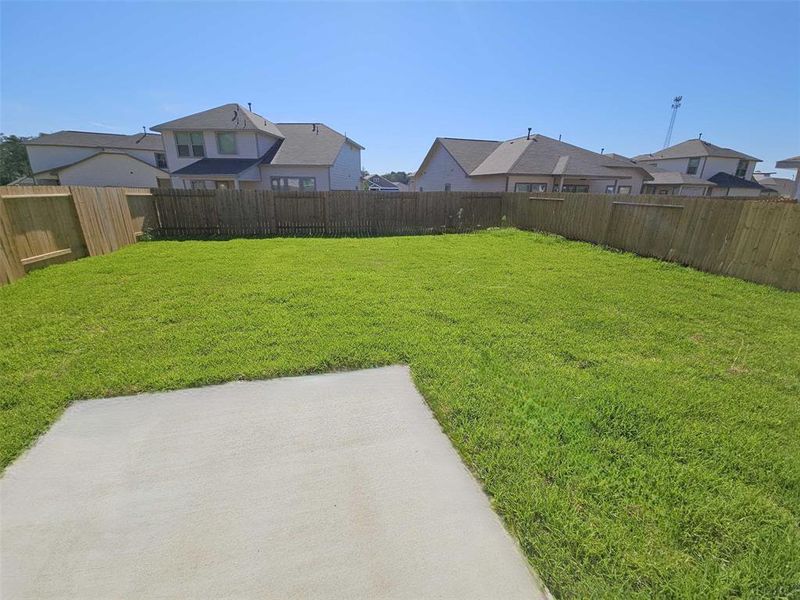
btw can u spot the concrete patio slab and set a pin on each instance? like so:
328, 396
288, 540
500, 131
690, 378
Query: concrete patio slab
329, 486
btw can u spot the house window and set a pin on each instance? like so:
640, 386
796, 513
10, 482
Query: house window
575, 189
225, 184
294, 184
530, 187
694, 164
161, 160
226, 142
610, 189
446, 187
625, 190
190, 143
741, 168
198, 184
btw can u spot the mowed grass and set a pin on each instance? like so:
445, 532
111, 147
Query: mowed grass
636, 423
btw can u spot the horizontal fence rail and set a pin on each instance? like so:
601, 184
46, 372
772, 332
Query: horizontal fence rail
747, 238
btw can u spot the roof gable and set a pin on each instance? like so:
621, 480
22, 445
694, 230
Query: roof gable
693, 148
228, 117
308, 144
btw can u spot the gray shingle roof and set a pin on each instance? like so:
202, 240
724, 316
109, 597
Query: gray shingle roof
542, 155
218, 166
468, 153
382, 181
228, 117
664, 177
309, 144
695, 147
788, 163
731, 181
89, 139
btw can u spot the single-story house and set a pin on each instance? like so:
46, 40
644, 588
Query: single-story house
729, 170
97, 159
792, 163
533, 163
232, 147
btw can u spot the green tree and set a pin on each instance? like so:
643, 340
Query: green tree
400, 176
13, 158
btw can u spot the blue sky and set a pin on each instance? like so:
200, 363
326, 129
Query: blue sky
393, 76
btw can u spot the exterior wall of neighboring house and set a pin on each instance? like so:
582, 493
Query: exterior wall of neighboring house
513, 180
713, 165
738, 192
249, 144
709, 166
320, 173
442, 169
676, 190
43, 158
112, 170
345, 173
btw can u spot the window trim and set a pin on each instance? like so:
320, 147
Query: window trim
282, 188
190, 146
530, 185
217, 134
163, 157
611, 189
689, 170
739, 167
575, 187
624, 187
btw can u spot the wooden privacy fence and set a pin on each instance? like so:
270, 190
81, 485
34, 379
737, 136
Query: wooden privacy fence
44, 225
256, 213
750, 239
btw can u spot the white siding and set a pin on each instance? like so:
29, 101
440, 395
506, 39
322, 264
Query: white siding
442, 168
345, 173
709, 166
111, 170
43, 158
249, 144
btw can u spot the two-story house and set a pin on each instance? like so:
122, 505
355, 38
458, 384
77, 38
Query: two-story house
97, 159
232, 147
704, 168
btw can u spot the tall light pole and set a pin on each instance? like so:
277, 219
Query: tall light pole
676, 104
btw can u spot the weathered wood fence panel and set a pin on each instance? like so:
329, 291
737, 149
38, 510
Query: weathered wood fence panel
231, 213
750, 239
754, 240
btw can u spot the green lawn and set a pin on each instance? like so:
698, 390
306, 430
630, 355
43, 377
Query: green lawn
636, 423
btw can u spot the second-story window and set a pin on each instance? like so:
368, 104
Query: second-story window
741, 168
694, 164
226, 142
190, 143
161, 160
